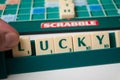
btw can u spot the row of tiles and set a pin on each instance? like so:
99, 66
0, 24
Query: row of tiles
64, 44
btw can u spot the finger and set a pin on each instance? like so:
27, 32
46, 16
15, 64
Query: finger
9, 37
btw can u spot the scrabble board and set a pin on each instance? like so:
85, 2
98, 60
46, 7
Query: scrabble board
45, 16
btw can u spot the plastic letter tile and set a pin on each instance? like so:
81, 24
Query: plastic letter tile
66, 9
100, 40
63, 44
9, 18
38, 10
67, 12
65, 1
117, 36
44, 46
23, 48
82, 42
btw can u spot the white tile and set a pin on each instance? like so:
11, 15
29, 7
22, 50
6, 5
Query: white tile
63, 44
66, 9
100, 40
23, 48
117, 36
82, 42
44, 46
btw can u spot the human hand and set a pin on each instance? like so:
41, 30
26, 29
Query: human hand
8, 36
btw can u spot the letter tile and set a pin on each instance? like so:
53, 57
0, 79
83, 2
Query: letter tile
66, 9
117, 36
100, 40
82, 42
63, 44
44, 46
23, 48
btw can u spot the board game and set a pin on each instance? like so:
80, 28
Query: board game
44, 16
52, 16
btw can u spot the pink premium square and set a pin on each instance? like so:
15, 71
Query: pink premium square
2, 6
13, 2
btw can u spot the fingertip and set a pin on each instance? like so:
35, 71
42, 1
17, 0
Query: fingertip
6, 27
11, 40
9, 37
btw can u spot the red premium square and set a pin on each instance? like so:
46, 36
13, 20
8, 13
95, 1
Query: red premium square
2, 6
13, 2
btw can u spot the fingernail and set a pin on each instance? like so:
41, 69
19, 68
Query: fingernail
11, 40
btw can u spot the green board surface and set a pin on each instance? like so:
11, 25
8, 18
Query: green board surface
26, 22
106, 12
25, 8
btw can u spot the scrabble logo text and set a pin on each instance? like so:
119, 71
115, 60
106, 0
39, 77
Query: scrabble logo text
70, 24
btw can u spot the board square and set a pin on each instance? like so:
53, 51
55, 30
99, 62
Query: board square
38, 10
95, 7
2, 7
13, 2
9, 18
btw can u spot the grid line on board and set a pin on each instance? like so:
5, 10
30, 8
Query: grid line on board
18, 9
102, 8
88, 10
45, 10
24, 8
31, 9
115, 4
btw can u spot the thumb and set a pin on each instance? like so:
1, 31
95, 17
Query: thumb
8, 36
